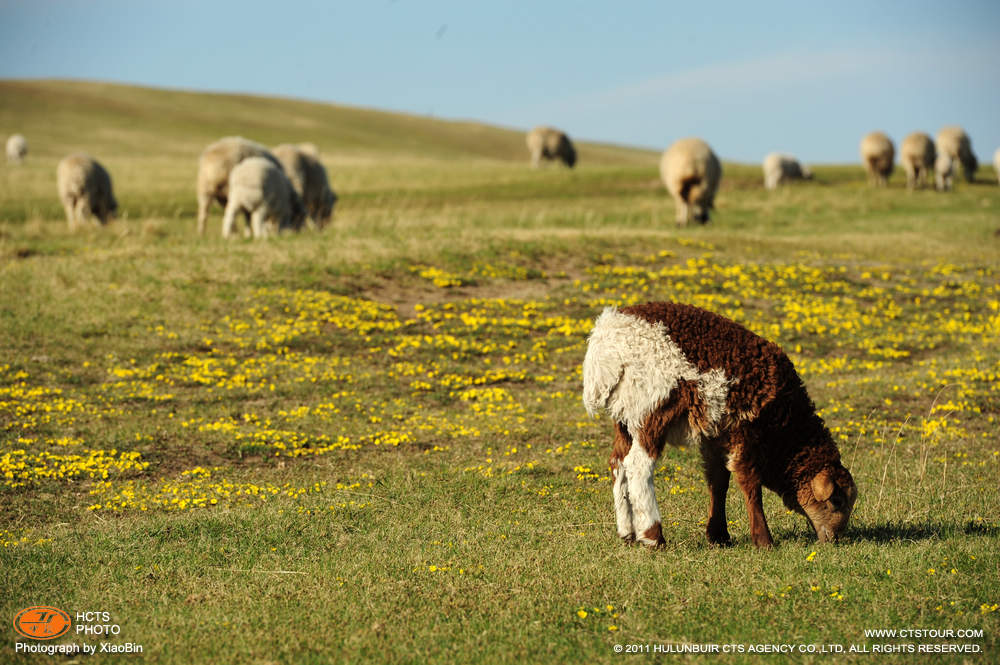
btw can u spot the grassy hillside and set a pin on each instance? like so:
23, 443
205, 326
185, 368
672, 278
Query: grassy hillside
368, 445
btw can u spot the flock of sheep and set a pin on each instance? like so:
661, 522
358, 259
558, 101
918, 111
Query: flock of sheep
691, 171
284, 187
273, 189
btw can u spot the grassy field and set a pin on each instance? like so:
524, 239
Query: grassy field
368, 444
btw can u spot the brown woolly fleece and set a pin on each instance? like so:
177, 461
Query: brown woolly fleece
769, 434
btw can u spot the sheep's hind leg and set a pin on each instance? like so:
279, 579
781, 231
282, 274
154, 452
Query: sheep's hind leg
70, 214
619, 490
638, 466
258, 223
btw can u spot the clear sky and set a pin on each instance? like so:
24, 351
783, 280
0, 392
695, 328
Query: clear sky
750, 77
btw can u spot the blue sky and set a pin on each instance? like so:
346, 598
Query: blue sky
801, 77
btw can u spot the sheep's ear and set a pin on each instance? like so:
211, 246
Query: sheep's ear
822, 486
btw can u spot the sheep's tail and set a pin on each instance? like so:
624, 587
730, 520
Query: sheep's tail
602, 366
688, 184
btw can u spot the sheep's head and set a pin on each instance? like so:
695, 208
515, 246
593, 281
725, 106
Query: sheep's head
569, 155
827, 500
297, 210
699, 213
326, 208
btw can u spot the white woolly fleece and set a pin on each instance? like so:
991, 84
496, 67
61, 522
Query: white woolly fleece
631, 366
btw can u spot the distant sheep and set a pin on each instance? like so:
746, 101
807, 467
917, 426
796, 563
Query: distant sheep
214, 166
779, 169
996, 164
85, 190
956, 143
918, 156
548, 143
17, 148
307, 175
259, 189
944, 172
691, 173
678, 374
878, 155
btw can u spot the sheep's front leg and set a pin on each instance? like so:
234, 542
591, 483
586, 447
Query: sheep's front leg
639, 466
759, 532
619, 490
717, 477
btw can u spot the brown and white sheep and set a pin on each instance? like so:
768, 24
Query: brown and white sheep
779, 169
918, 155
678, 374
308, 177
550, 144
17, 148
878, 154
956, 143
259, 189
214, 166
84, 189
691, 173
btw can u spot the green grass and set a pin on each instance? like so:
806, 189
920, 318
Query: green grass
315, 452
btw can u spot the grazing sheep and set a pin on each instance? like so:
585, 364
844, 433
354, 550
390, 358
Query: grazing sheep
918, 156
310, 149
673, 373
259, 189
308, 177
691, 173
548, 143
878, 155
955, 142
780, 168
214, 166
944, 172
17, 148
85, 189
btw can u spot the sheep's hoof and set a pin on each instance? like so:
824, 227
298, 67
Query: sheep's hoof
629, 539
719, 539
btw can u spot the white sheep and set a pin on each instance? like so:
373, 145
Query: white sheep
84, 189
17, 148
259, 189
307, 175
918, 156
779, 168
955, 142
691, 173
996, 163
548, 143
878, 155
214, 166
944, 172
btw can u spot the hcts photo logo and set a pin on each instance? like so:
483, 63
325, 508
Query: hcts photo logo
41, 622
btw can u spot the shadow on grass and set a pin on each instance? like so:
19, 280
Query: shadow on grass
888, 532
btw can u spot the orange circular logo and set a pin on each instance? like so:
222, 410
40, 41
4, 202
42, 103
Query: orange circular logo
41, 622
